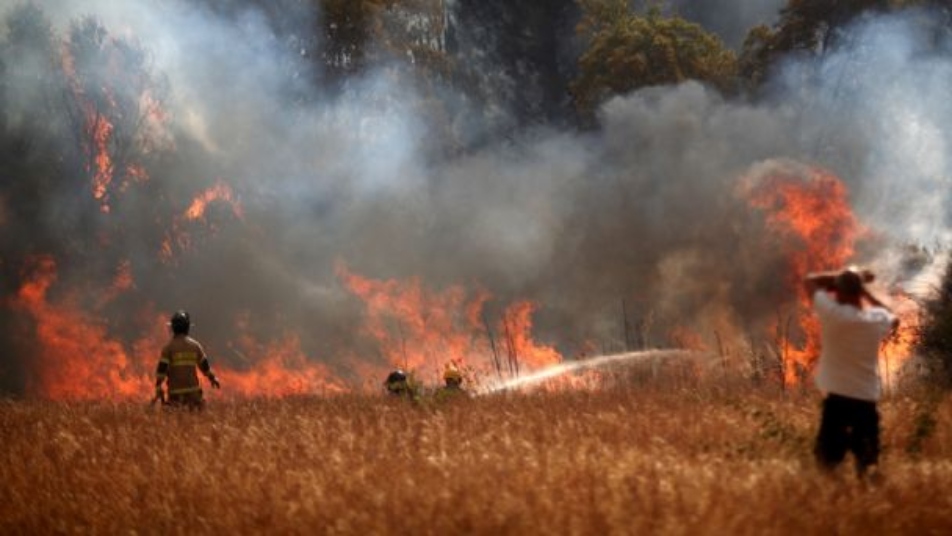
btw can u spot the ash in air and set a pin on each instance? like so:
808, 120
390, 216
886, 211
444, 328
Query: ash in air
318, 168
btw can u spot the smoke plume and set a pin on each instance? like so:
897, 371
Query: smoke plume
643, 218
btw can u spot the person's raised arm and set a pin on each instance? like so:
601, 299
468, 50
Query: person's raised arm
819, 281
876, 302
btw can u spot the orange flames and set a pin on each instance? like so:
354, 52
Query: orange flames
101, 132
276, 368
517, 328
178, 238
97, 134
423, 330
219, 192
808, 210
97, 117
898, 348
811, 213
75, 358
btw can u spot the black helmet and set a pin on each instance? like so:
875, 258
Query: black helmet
180, 323
397, 382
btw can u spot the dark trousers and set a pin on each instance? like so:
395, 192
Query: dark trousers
192, 401
848, 424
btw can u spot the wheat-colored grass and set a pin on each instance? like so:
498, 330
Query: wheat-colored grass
626, 460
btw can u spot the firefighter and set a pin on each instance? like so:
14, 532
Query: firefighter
397, 383
452, 384
177, 364
453, 380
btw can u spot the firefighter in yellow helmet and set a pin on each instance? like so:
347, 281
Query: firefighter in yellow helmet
452, 378
177, 366
452, 384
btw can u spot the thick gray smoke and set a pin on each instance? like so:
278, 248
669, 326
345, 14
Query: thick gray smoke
643, 214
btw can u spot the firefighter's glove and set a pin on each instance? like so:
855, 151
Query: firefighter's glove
214, 381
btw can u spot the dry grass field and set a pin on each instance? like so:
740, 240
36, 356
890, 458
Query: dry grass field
690, 460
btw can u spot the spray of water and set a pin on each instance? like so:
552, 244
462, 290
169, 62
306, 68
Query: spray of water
602, 361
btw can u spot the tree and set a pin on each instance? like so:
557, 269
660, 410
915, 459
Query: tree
346, 25
811, 28
627, 51
935, 338
80, 122
112, 99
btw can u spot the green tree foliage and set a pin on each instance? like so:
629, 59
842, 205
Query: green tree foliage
627, 51
935, 338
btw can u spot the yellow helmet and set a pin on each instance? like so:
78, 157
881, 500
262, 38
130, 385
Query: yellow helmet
452, 374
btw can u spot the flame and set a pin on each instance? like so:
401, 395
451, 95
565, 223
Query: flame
98, 113
808, 209
75, 358
279, 368
135, 174
900, 345
420, 329
122, 282
517, 327
178, 237
219, 192
97, 133
167, 249
417, 329
101, 132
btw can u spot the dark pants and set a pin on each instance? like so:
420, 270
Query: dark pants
192, 401
850, 425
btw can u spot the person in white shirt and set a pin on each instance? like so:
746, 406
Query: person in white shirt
853, 323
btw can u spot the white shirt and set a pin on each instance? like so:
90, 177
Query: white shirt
849, 353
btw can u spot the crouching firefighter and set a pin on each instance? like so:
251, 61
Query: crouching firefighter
398, 384
453, 384
177, 364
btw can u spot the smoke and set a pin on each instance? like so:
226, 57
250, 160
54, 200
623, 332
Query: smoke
729, 19
889, 88
642, 216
